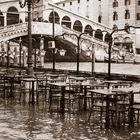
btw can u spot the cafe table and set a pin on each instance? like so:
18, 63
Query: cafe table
110, 83
30, 85
108, 93
83, 89
63, 86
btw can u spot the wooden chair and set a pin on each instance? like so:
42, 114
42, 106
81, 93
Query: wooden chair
119, 111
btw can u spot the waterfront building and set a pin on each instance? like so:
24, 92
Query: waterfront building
111, 13
96, 10
98, 15
11, 13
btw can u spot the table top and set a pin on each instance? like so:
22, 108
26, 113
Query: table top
119, 91
111, 81
135, 90
102, 91
29, 79
77, 78
60, 84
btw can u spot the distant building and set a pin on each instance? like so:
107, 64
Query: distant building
112, 13
11, 13
96, 10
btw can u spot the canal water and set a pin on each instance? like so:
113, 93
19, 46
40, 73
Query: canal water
120, 68
20, 121
36, 122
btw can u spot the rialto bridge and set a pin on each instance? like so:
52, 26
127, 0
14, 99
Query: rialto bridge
55, 20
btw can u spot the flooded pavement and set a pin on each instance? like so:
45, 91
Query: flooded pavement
119, 68
36, 122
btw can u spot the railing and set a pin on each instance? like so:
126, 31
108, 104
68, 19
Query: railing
84, 36
12, 31
21, 29
71, 14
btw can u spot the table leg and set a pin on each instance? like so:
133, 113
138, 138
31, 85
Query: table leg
107, 123
62, 101
131, 114
33, 101
85, 99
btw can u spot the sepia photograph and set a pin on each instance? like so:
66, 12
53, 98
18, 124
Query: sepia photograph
69, 69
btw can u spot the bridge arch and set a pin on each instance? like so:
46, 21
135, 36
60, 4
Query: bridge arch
66, 21
107, 37
56, 17
77, 26
88, 29
1, 18
99, 34
12, 15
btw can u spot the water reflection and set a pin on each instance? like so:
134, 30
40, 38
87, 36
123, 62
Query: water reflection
36, 122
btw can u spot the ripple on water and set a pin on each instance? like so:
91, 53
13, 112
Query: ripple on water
25, 122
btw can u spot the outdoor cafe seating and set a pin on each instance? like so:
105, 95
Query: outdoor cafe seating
115, 106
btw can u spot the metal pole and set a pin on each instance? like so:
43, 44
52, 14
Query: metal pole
29, 61
8, 48
93, 60
20, 45
78, 52
35, 57
53, 34
109, 58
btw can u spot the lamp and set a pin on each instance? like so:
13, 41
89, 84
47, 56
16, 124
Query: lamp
62, 52
78, 37
22, 4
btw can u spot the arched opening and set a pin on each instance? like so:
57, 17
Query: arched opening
118, 40
56, 17
66, 21
128, 44
99, 34
1, 19
12, 16
107, 37
88, 30
77, 26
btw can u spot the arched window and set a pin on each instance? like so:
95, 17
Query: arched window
56, 17
115, 3
99, 19
88, 29
1, 19
12, 16
66, 21
115, 16
99, 34
139, 2
127, 2
127, 14
77, 26
107, 37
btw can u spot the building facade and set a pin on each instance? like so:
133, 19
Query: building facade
112, 13
11, 13
126, 12
96, 10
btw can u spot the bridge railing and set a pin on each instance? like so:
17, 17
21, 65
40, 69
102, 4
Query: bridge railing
12, 31
84, 36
